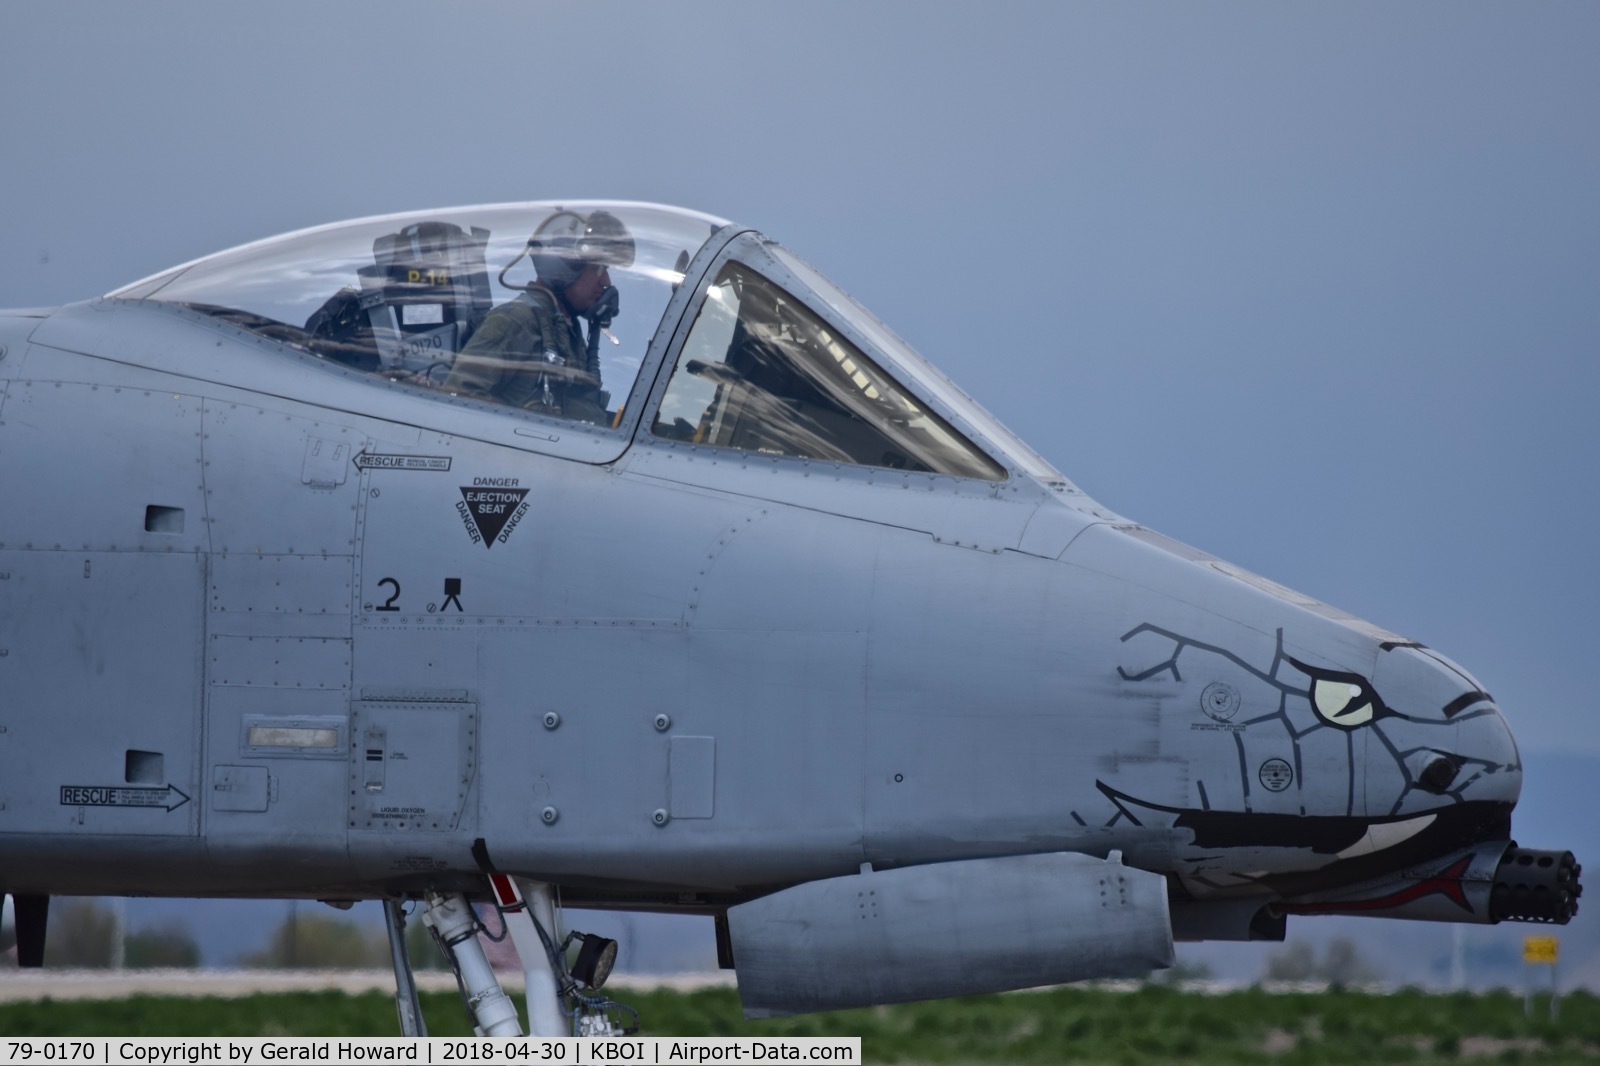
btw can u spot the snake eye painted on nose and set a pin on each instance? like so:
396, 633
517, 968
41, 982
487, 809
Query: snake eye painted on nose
1342, 699
1341, 703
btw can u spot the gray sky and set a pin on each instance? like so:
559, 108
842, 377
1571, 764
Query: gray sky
1314, 288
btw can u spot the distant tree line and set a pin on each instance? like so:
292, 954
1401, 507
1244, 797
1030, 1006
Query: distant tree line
1341, 964
83, 934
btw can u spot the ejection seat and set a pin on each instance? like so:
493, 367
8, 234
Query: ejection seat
420, 300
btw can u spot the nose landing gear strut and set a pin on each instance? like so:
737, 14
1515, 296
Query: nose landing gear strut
562, 997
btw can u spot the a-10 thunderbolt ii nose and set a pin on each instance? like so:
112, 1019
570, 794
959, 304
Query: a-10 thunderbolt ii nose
610, 550
1344, 765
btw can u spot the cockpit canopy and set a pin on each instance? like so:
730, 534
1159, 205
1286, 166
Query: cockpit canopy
402, 296
554, 309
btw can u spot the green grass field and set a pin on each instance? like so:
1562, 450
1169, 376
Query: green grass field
1074, 1024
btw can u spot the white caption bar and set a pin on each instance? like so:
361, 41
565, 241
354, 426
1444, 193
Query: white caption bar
478, 1051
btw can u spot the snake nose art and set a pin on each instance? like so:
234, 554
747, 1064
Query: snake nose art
1331, 766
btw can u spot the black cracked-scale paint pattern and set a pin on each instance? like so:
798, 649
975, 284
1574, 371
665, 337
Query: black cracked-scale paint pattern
1292, 681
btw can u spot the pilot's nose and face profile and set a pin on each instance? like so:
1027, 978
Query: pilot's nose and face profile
582, 293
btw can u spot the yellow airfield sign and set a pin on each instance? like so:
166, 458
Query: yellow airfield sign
1539, 949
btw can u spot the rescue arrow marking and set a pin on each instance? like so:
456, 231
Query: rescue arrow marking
366, 461
118, 796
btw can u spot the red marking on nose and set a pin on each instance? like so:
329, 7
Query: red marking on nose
1446, 883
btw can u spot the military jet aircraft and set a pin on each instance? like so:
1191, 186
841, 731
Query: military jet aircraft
608, 555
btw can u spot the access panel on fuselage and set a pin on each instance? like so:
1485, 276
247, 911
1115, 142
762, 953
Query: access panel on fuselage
282, 494
100, 666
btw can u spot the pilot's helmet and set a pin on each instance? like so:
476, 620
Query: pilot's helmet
567, 241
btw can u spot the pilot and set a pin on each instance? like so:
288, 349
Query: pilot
530, 352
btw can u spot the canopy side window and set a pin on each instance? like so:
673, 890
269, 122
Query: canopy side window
761, 372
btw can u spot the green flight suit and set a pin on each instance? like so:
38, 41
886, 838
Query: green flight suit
513, 358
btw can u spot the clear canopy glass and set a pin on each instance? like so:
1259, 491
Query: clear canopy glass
909, 365
544, 306
762, 372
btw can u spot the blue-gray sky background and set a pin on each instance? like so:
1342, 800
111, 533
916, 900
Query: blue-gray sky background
1315, 288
